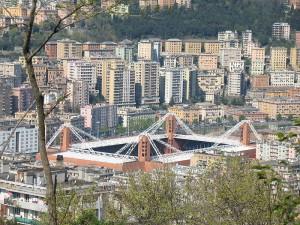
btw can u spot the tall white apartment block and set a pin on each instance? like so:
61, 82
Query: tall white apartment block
281, 31
227, 35
173, 85
235, 78
83, 71
275, 150
247, 43
24, 139
282, 78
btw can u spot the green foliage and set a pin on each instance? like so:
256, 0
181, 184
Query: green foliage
235, 192
242, 117
73, 207
7, 222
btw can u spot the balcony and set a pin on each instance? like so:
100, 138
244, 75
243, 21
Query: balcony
26, 221
35, 206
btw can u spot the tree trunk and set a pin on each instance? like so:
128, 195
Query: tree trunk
51, 197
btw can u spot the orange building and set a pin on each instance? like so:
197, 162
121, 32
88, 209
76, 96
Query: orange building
260, 81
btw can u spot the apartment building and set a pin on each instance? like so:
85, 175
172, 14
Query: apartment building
295, 4
83, 71
23, 189
15, 11
173, 89
295, 58
120, 84
210, 82
281, 31
147, 82
260, 81
22, 98
235, 78
152, 4
125, 52
12, 69
51, 49
278, 58
6, 85
173, 46
99, 117
184, 3
78, 93
228, 55
24, 140
69, 49
145, 50
297, 38
133, 117
282, 78
227, 35
275, 150
257, 61
165, 3
212, 47
207, 61
282, 106
192, 46
190, 86
198, 112
247, 43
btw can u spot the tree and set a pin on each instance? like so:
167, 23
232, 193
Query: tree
233, 191
149, 199
242, 117
278, 117
76, 12
74, 206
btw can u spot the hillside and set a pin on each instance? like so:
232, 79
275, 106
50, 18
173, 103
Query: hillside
203, 20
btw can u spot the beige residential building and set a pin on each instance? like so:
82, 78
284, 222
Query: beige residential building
228, 55
257, 61
278, 58
210, 82
68, 49
173, 46
121, 82
258, 54
145, 50
295, 58
212, 47
207, 61
147, 80
166, 3
192, 46
282, 106
102, 71
17, 11
198, 112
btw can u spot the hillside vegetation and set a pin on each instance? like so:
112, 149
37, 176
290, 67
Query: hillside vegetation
203, 20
